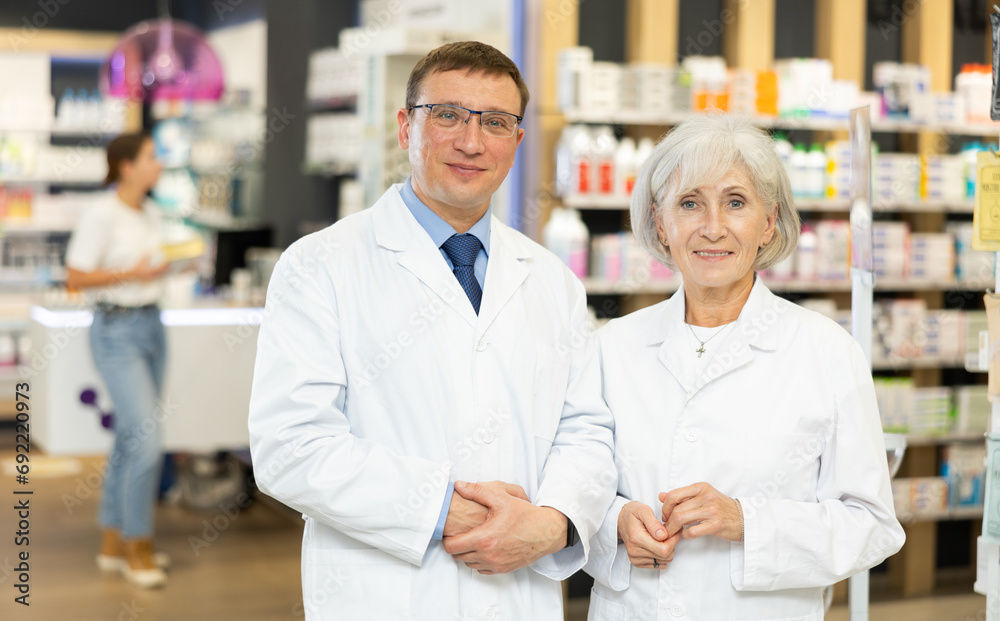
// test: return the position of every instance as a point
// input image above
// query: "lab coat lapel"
(506, 271)
(754, 330)
(667, 333)
(398, 231)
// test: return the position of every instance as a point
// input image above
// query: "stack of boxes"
(838, 169)
(970, 265)
(333, 75)
(944, 178)
(618, 257)
(890, 249)
(932, 257)
(833, 248)
(895, 178)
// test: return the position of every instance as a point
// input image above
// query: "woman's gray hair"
(700, 151)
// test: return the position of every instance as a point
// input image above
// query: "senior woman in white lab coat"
(752, 469)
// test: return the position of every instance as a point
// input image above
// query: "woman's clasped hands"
(688, 512)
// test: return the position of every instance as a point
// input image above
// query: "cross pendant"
(700, 350)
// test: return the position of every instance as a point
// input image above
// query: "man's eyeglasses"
(453, 118)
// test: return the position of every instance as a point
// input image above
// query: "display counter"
(206, 393)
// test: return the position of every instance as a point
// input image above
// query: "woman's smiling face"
(715, 230)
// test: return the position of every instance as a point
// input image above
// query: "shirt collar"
(436, 227)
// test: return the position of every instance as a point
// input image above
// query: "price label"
(986, 219)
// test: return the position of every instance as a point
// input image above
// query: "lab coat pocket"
(605, 610)
(342, 584)
(781, 465)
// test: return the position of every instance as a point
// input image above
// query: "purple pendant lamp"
(163, 59)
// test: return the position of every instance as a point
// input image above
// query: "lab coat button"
(490, 613)
(676, 611)
(488, 437)
(481, 346)
(691, 435)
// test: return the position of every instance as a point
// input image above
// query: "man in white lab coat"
(421, 345)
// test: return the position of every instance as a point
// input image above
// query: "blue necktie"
(463, 250)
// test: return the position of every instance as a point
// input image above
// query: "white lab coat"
(783, 418)
(376, 383)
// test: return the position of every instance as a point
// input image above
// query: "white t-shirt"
(714, 339)
(113, 236)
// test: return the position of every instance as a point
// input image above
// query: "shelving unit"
(652, 37)
(804, 124)
(666, 287)
(614, 202)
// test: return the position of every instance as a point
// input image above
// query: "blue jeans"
(129, 350)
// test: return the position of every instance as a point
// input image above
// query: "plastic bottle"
(626, 167)
(94, 108)
(65, 111)
(581, 163)
(564, 161)
(603, 151)
(806, 261)
(554, 234)
(784, 149)
(578, 243)
(970, 158)
(643, 152)
(798, 170)
(816, 184)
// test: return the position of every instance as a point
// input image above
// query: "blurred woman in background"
(115, 254)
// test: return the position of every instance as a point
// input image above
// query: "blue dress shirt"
(440, 231)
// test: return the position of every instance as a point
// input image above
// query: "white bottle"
(578, 243)
(626, 167)
(64, 111)
(806, 260)
(816, 178)
(554, 234)
(564, 161)
(799, 170)
(604, 150)
(643, 152)
(784, 149)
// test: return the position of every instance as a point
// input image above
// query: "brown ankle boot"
(112, 554)
(141, 569)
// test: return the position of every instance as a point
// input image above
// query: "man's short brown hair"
(474, 57)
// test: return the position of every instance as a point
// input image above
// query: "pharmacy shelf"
(923, 362)
(333, 104)
(329, 169)
(944, 439)
(597, 286)
(598, 201)
(34, 226)
(929, 206)
(626, 117)
(946, 515)
(85, 181)
(208, 219)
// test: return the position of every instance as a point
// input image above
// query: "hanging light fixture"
(163, 59)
